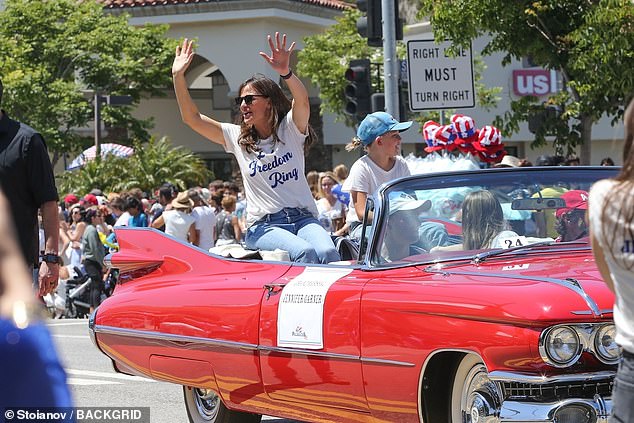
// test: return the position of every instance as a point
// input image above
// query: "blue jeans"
(294, 230)
(623, 391)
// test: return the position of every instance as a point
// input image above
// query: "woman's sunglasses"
(248, 99)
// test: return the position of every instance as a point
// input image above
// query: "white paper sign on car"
(300, 313)
(513, 241)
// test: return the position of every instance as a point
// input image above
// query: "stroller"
(72, 298)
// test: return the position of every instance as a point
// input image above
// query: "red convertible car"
(417, 323)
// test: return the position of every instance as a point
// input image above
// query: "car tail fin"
(132, 266)
(143, 250)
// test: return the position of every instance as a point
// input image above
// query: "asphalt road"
(94, 382)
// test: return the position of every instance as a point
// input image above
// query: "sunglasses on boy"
(248, 99)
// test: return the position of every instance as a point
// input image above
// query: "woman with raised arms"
(269, 141)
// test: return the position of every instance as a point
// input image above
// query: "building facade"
(230, 33)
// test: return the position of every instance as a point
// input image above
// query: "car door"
(312, 356)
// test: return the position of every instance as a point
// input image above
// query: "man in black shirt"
(26, 177)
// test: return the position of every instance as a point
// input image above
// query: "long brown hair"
(482, 220)
(280, 106)
(625, 187)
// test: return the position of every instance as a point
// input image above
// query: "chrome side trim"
(502, 376)
(366, 360)
(575, 287)
(386, 362)
(91, 327)
(174, 338)
(587, 312)
(284, 350)
(241, 345)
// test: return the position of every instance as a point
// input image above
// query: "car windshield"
(431, 218)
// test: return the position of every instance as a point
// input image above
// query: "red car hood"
(533, 289)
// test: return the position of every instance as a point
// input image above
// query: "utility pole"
(110, 100)
(97, 126)
(390, 63)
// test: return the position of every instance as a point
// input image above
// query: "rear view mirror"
(537, 203)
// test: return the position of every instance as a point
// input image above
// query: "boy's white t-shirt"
(366, 176)
(273, 178)
(205, 221)
(622, 250)
(123, 219)
(177, 223)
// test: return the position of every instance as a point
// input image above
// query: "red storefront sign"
(536, 82)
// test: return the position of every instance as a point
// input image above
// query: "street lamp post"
(99, 100)
(97, 126)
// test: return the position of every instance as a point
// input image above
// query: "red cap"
(575, 199)
(71, 199)
(91, 199)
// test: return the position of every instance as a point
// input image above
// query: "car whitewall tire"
(474, 398)
(205, 406)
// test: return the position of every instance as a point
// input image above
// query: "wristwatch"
(51, 258)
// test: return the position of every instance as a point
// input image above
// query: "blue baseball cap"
(377, 124)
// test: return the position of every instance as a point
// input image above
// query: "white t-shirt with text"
(273, 178)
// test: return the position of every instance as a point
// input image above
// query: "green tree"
(51, 51)
(325, 58)
(152, 164)
(588, 42)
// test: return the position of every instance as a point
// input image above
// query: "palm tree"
(152, 164)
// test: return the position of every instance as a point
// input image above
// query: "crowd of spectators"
(203, 216)
(191, 215)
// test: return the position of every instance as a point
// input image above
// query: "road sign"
(119, 100)
(438, 80)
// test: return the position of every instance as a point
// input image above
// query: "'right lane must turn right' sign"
(438, 80)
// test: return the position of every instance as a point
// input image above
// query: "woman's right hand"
(183, 57)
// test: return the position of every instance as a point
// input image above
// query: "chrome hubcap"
(207, 403)
(480, 400)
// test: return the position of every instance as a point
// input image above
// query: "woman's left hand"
(280, 55)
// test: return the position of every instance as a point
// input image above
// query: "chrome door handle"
(271, 289)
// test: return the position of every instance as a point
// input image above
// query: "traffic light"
(544, 119)
(359, 89)
(377, 100)
(370, 25)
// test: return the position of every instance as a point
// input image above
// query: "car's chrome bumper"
(591, 410)
(521, 398)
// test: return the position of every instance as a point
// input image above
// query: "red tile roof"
(112, 4)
